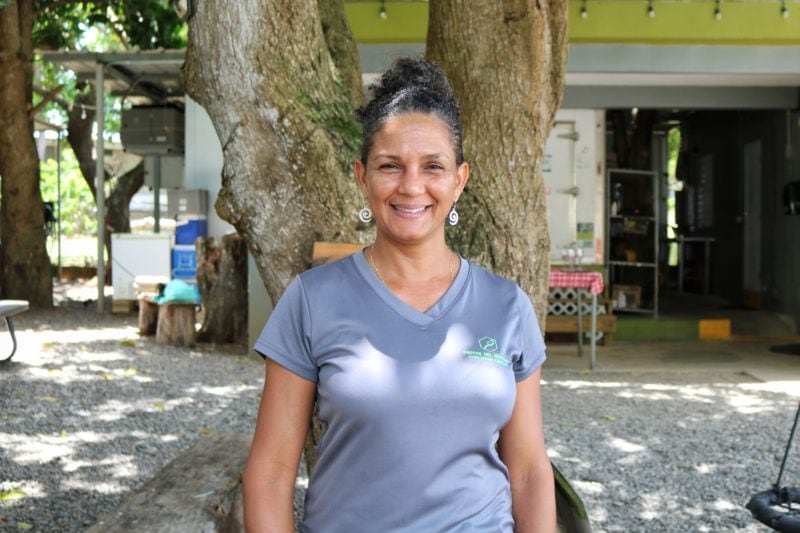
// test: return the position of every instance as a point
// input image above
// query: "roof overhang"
(151, 76)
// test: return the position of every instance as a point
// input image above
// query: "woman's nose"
(412, 182)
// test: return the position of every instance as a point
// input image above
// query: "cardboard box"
(626, 296)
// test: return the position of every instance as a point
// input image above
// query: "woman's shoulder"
(329, 275)
(491, 280)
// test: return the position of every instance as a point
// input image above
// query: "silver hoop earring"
(452, 217)
(365, 215)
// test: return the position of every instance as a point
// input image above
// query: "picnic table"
(9, 308)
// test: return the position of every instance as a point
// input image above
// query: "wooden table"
(580, 279)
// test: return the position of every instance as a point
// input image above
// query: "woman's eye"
(387, 166)
(435, 167)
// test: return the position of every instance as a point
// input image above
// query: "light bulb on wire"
(717, 11)
(584, 11)
(382, 13)
(651, 12)
(784, 10)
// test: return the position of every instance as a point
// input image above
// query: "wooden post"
(176, 324)
(148, 316)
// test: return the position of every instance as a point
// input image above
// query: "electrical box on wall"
(152, 130)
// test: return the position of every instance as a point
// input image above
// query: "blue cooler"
(189, 228)
(184, 261)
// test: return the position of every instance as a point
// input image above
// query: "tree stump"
(222, 280)
(148, 316)
(176, 324)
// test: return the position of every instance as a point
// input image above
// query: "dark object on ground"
(789, 349)
(774, 507)
(570, 512)
(9, 308)
(765, 505)
(198, 491)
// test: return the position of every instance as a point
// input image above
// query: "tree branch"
(46, 98)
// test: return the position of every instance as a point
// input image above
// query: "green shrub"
(78, 211)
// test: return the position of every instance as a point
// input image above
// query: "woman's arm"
(269, 474)
(523, 451)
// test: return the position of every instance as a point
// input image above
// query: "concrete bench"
(9, 308)
(199, 491)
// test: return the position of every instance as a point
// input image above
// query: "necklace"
(371, 261)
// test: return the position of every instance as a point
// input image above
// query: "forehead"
(414, 127)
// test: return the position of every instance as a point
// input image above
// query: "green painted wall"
(742, 22)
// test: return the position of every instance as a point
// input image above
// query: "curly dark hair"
(412, 84)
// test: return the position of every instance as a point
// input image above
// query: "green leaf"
(13, 494)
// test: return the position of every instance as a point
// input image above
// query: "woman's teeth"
(410, 210)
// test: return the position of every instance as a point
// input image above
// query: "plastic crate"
(184, 261)
(188, 230)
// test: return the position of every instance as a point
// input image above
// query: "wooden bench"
(9, 308)
(198, 491)
(569, 324)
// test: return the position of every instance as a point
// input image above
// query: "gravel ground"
(89, 411)
(668, 452)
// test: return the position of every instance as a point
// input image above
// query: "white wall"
(590, 172)
(204, 163)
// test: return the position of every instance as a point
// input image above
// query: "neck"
(413, 264)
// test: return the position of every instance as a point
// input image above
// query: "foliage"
(78, 211)
(143, 24)
(99, 26)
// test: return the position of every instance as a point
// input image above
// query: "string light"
(784, 10)
(651, 12)
(717, 11)
(382, 13)
(584, 12)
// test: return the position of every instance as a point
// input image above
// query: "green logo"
(488, 344)
(488, 347)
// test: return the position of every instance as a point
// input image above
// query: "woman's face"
(411, 178)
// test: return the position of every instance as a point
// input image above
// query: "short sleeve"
(286, 339)
(533, 348)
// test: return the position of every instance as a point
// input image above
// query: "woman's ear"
(361, 176)
(462, 176)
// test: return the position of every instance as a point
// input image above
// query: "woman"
(424, 365)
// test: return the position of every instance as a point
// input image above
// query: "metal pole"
(100, 186)
(58, 192)
(156, 193)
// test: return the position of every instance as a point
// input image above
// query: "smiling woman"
(424, 366)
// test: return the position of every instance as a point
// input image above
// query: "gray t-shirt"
(412, 402)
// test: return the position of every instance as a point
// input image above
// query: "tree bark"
(25, 270)
(283, 111)
(506, 61)
(222, 280)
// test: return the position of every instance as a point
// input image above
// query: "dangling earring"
(452, 217)
(365, 215)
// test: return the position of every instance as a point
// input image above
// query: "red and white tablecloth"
(577, 280)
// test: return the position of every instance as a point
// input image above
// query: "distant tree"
(24, 26)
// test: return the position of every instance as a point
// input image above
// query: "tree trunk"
(506, 61)
(222, 279)
(25, 270)
(283, 111)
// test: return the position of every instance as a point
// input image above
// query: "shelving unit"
(632, 240)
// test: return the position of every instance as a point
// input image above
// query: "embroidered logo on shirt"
(488, 347)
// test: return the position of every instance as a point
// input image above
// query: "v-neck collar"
(402, 308)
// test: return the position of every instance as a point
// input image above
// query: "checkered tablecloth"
(577, 280)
